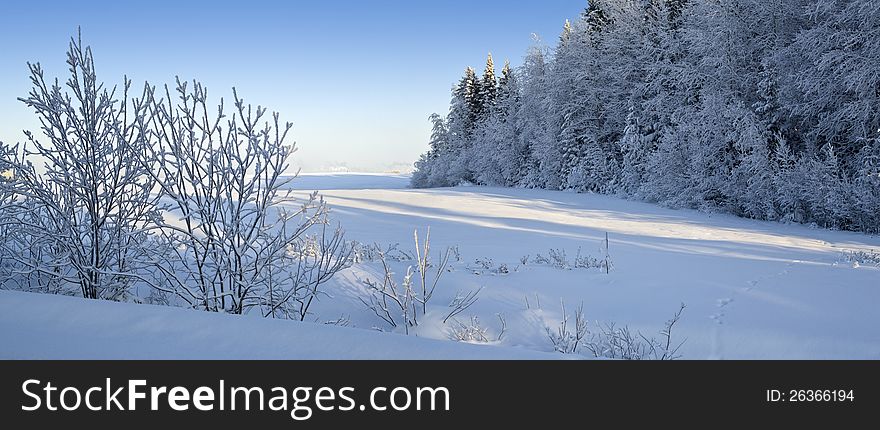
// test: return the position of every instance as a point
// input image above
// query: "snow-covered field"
(37, 326)
(753, 290)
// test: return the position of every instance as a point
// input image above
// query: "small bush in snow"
(373, 252)
(474, 332)
(400, 304)
(621, 343)
(393, 302)
(487, 265)
(456, 253)
(470, 331)
(481, 264)
(569, 335)
(608, 340)
(557, 258)
(862, 258)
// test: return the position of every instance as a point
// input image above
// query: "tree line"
(766, 109)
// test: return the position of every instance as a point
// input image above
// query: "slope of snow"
(753, 289)
(37, 326)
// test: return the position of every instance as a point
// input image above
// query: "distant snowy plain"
(753, 289)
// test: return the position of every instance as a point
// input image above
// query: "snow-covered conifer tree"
(488, 90)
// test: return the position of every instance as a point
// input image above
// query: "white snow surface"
(753, 289)
(349, 181)
(38, 326)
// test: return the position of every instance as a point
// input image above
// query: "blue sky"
(357, 78)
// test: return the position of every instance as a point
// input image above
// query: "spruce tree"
(868, 187)
(439, 136)
(470, 92)
(463, 108)
(565, 36)
(488, 90)
(508, 91)
(595, 17)
(675, 9)
(634, 154)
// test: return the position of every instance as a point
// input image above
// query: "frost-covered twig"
(423, 265)
(461, 303)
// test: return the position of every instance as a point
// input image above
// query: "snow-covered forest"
(763, 109)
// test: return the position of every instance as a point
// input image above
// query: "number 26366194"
(793, 396)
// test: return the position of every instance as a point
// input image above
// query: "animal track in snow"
(724, 302)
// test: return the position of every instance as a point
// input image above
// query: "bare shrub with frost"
(374, 252)
(82, 221)
(623, 344)
(238, 239)
(608, 340)
(862, 258)
(569, 335)
(400, 304)
(473, 331)
(558, 258)
(469, 331)
(482, 265)
(393, 302)
(485, 265)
